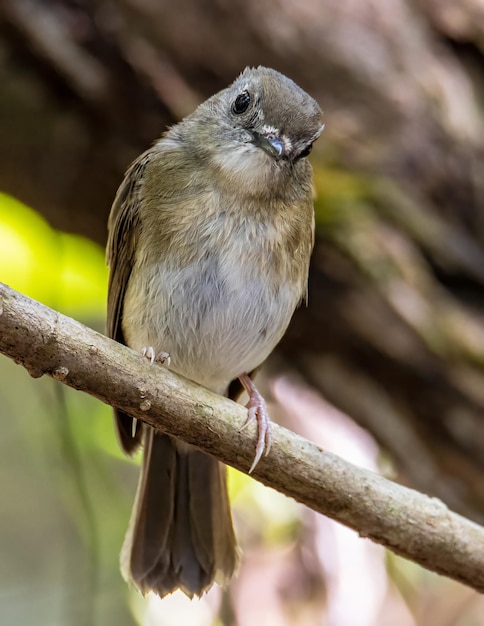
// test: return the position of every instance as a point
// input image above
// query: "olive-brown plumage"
(210, 237)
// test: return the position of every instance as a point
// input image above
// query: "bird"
(209, 242)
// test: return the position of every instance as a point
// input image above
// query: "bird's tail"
(180, 534)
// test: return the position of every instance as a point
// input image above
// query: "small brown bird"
(210, 236)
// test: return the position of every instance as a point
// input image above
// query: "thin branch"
(411, 524)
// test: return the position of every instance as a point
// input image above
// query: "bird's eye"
(306, 151)
(241, 103)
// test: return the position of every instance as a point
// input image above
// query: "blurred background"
(384, 367)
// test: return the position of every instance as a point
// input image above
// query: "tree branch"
(411, 524)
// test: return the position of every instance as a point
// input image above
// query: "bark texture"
(409, 523)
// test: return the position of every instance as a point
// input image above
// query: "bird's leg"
(257, 410)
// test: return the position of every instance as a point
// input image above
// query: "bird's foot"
(162, 358)
(257, 410)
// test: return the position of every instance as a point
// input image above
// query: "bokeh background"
(385, 365)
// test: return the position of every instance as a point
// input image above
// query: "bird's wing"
(124, 228)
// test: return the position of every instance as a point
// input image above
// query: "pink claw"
(257, 410)
(162, 358)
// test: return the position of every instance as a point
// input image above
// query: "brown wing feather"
(123, 225)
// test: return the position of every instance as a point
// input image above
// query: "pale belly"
(216, 321)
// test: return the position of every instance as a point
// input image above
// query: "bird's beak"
(270, 143)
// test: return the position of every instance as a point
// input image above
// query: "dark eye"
(241, 103)
(306, 151)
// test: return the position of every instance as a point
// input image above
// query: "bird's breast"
(221, 312)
